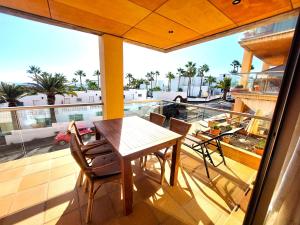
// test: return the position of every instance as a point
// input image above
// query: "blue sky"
(54, 49)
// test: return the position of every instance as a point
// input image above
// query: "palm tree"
(129, 76)
(34, 70)
(202, 69)
(190, 72)
(50, 85)
(10, 93)
(97, 74)
(146, 82)
(225, 85)
(180, 73)
(150, 78)
(170, 76)
(210, 80)
(81, 74)
(236, 65)
(156, 75)
(91, 85)
(74, 81)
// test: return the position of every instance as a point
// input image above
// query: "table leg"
(97, 135)
(175, 163)
(127, 186)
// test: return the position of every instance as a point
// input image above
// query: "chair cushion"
(96, 142)
(106, 165)
(98, 150)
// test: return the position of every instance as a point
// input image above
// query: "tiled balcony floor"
(42, 190)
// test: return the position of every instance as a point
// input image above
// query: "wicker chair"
(180, 127)
(89, 150)
(100, 170)
(159, 120)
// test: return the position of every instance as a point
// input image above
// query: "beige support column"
(246, 67)
(265, 66)
(111, 64)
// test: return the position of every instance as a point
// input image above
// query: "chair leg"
(163, 169)
(89, 211)
(80, 178)
(141, 162)
(86, 185)
(145, 161)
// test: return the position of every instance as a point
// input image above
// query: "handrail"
(222, 110)
(142, 101)
(8, 109)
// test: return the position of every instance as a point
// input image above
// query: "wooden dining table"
(132, 138)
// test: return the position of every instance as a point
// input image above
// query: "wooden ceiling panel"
(160, 26)
(198, 15)
(149, 4)
(85, 19)
(296, 3)
(141, 36)
(248, 11)
(38, 7)
(122, 11)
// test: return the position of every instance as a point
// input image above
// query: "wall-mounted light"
(235, 2)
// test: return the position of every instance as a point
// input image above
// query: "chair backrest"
(72, 128)
(179, 126)
(158, 119)
(77, 153)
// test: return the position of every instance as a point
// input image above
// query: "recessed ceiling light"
(235, 2)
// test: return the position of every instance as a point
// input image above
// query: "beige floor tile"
(162, 201)
(61, 186)
(60, 161)
(71, 218)
(60, 205)
(63, 171)
(60, 153)
(203, 212)
(12, 173)
(34, 179)
(142, 214)
(39, 158)
(117, 200)
(36, 167)
(5, 204)
(9, 187)
(102, 211)
(30, 216)
(160, 215)
(83, 196)
(14, 164)
(173, 221)
(30, 197)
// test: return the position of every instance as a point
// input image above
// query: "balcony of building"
(38, 179)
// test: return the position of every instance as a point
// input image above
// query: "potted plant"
(228, 128)
(197, 132)
(215, 130)
(226, 139)
(259, 148)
